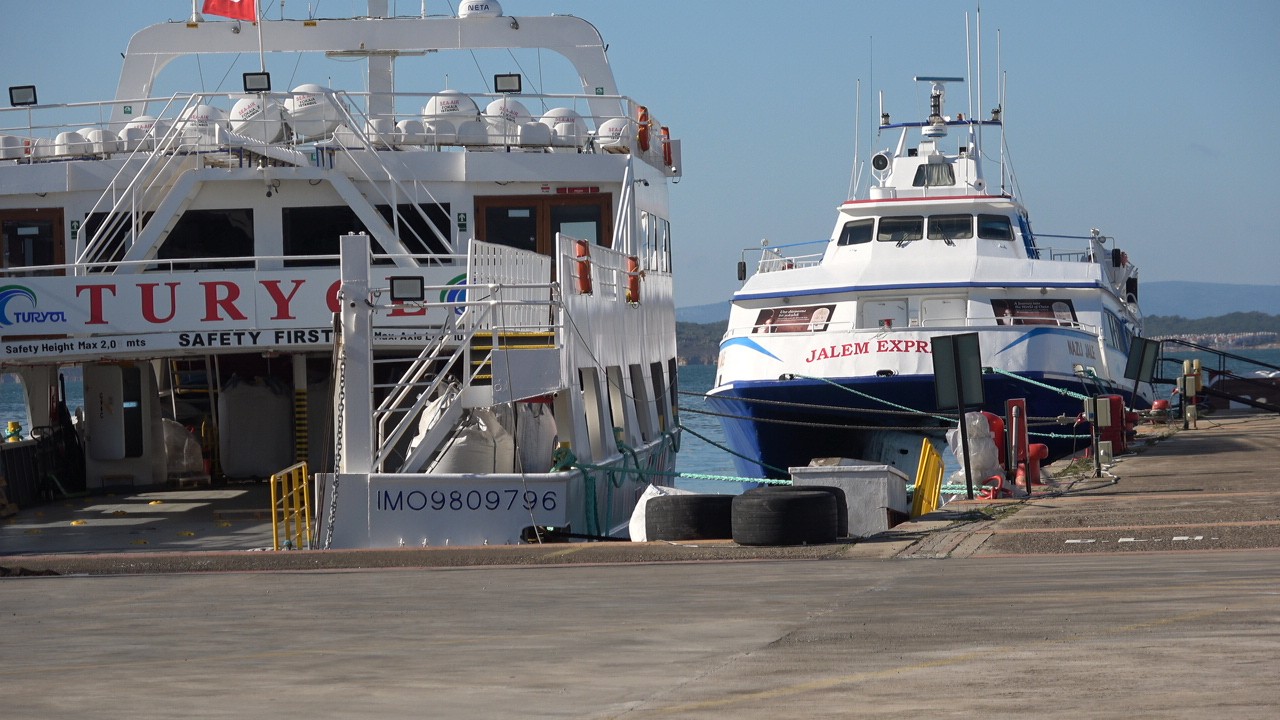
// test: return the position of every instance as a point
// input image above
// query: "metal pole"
(964, 428)
(1093, 439)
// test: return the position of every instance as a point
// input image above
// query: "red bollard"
(1036, 452)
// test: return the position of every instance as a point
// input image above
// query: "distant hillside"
(1194, 300)
(1240, 322)
(1191, 300)
(699, 344)
(712, 313)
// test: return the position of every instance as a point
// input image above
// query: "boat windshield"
(994, 227)
(950, 227)
(901, 229)
(856, 232)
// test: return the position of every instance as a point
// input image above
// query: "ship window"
(111, 234)
(310, 232)
(994, 227)
(313, 232)
(31, 237)
(1115, 331)
(950, 227)
(222, 233)
(856, 232)
(415, 231)
(901, 229)
(934, 175)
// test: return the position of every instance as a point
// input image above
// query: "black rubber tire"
(689, 517)
(798, 517)
(842, 504)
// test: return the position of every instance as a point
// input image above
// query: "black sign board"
(957, 371)
(1142, 359)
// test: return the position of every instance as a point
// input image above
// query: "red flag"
(237, 9)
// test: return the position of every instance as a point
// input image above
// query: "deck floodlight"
(257, 82)
(506, 83)
(407, 289)
(20, 95)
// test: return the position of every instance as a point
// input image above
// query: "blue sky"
(1153, 121)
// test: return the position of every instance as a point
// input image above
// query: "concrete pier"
(1153, 593)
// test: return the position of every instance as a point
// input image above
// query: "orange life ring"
(633, 279)
(642, 127)
(666, 146)
(582, 260)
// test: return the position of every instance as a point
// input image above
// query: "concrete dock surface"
(1151, 592)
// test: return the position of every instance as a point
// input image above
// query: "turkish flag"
(237, 9)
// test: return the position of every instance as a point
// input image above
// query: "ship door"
(530, 222)
(31, 237)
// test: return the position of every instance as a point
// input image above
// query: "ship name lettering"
(1081, 350)
(902, 346)
(838, 351)
(222, 300)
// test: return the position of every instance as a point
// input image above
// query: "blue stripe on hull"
(754, 430)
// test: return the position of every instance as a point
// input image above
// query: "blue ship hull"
(786, 423)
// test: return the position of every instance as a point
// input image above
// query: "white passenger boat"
(506, 319)
(828, 347)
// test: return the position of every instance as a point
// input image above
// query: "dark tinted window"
(950, 227)
(316, 230)
(856, 232)
(994, 227)
(210, 234)
(901, 229)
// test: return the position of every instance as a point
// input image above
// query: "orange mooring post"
(1036, 453)
(582, 266)
(633, 279)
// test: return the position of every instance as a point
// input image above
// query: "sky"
(1152, 121)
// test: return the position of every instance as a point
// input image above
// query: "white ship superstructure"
(184, 252)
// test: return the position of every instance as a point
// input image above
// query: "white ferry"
(504, 312)
(828, 346)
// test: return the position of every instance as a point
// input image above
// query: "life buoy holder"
(582, 270)
(666, 147)
(633, 279)
(642, 127)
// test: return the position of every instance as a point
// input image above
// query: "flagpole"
(262, 55)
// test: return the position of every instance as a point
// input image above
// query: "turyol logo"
(456, 292)
(9, 292)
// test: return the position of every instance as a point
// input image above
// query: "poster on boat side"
(807, 318)
(1034, 311)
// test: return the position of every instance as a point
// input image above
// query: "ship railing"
(256, 263)
(845, 328)
(603, 273)
(780, 257)
(571, 123)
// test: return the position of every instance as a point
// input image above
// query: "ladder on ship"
(193, 382)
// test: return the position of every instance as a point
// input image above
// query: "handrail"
(1221, 372)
